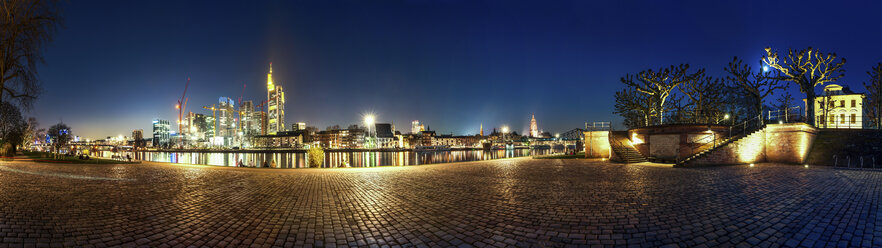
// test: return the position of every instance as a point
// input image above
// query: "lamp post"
(369, 121)
(504, 131)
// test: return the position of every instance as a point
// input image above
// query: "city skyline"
(452, 65)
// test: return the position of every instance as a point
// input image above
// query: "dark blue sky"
(451, 64)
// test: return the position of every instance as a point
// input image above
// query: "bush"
(6, 150)
(316, 156)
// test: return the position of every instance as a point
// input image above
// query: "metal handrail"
(599, 125)
(734, 131)
(789, 115)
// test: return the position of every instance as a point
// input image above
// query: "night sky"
(116, 65)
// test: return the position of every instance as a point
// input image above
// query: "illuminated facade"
(161, 135)
(298, 126)
(249, 122)
(260, 118)
(226, 126)
(275, 105)
(416, 127)
(839, 107)
(534, 128)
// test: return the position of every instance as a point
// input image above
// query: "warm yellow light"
(751, 165)
(177, 106)
(806, 166)
(369, 119)
(635, 139)
(726, 117)
(505, 129)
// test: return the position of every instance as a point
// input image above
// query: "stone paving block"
(502, 203)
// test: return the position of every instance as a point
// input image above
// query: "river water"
(335, 159)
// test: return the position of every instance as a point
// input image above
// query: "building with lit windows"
(226, 115)
(247, 124)
(298, 126)
(416, 127)
(161, 135)
(275, 105)
(385, 136)
(260, 118)
(839, 107)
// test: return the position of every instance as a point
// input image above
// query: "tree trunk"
(810, 107)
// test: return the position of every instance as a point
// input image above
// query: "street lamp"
(504, 131)
(369, 121)
(725, 117)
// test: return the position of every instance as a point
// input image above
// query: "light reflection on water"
(298, 159)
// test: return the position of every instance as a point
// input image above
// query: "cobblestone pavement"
(514, 202)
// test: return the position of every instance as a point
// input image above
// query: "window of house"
(842, 103)
(853, 103)
(853, 116)
(842, 120)
(832, 119)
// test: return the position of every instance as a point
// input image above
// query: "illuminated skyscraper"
(534, 128)
(275, 105)
(226, 117)
(161, 135)
(248, 125)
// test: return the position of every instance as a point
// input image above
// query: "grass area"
(48, 157)
(563, 156)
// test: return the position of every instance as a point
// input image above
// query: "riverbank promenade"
(519, 202)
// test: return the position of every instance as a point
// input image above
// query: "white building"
(839, 107)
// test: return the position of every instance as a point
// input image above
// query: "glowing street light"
(368, 122)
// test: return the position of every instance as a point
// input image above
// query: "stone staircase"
(718, 145)
(621, 145)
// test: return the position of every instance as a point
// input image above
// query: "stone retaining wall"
(782, 143)
(597, 144)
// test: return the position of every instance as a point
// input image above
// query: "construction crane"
(182, 106)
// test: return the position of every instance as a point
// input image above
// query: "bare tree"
(636, 108)
(757, 86)
(12, 126)
(26, 26)
(678, 109)
(705, 97)
(786, 101)
(661, 83)
(807, 68)
(874, 96)
(31, 132)
(60, 135)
